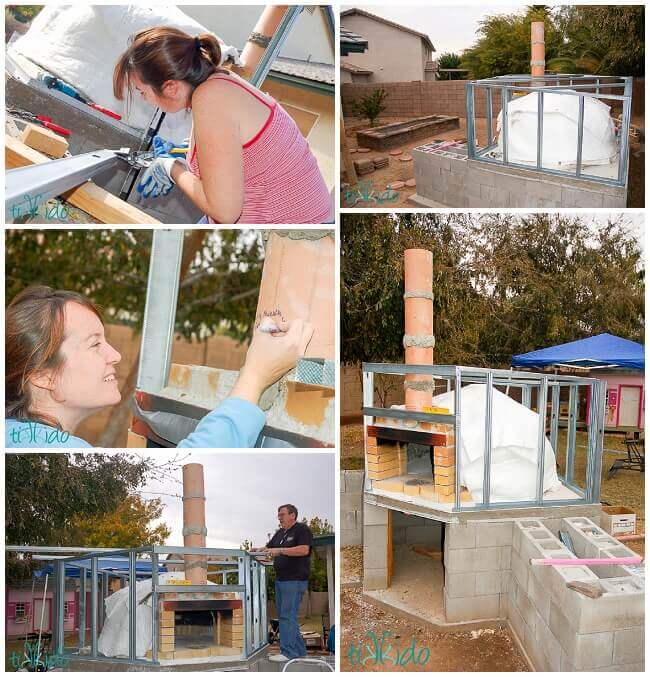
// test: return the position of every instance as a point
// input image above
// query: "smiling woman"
(61, 369)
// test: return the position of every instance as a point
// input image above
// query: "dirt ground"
(378, 180)
(418, 646)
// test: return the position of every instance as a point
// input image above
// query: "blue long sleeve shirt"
(234, 424)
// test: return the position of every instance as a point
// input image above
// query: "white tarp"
(114, 637)
(81, 45)
(515, 431)
(560, 135)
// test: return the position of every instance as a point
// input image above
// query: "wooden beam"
(44, 140)
(104, 206)
(348, 163)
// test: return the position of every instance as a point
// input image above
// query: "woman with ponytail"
(247, 161)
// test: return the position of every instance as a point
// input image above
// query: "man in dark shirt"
(290, 549)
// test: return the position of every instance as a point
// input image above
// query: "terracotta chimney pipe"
(538, 49)
(418, 323)
(194, 531)
(264, 30)
(298, 282)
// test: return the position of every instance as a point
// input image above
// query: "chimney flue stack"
(194, 530)
(538, 49)
(418, 324)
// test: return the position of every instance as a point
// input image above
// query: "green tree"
(47, 494)
(502, 284)
(450, 60)
(130, 525)
(220, 277)
(370, 107)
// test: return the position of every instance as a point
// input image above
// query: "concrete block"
(519, 570)
(539, 598)
(351, 502)
(428, 534)
(460, 536)
(566, 665)
(349, 520)
(483, 559)
(353, 481)
(488, 583)
(615, 201)
(575, 197)
(609, 612)
(503, 605)
(374, 515)
(489, 534)
(505, 557)
(375, 543)
(549, 644)
(459, 609)
(375, 579)
(495, 196)
(546, 190)
(629, 645)
(460, 584)
(526, 608)
(349, 537)
(563, 629)
(594, 650)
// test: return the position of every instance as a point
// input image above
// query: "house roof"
(362, 12)
(595, 351)
(307, 70)
(351, 68)
(351, 42)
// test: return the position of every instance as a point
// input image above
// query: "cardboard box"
(618, 520)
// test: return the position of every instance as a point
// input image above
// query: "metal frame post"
(160, 309)
(489, 114)
(368, 401)
(82, 607)
(59, 607)
(275, 45)
(504, 122)
(624, 146)
(154, 607)
(581, 133)
(600, 434)
(247, 602)
(555, 415)
(487, 457)
(471, 134)
(133, 600)
(541, 441)
(457, 388)
(540, 128)
(263, 605)
(93, 606)
(256, 604)
(572, 422)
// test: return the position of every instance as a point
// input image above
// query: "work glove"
(164, 148)
(156, 180)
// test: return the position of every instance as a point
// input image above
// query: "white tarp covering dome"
(81, 44)
(560, 136)
(515, 431)
(114, 637)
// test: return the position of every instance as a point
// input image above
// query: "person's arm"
(293, 551)
(219, 192)
(238, 421)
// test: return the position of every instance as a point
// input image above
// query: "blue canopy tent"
(114, 565)
(603, 350)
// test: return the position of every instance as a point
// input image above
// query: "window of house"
(21, 612)
(68, 609)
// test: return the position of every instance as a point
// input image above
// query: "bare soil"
(482, 650)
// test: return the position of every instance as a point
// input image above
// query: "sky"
(243, 491)
(451, 28)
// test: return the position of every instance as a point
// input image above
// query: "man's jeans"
(287, 601)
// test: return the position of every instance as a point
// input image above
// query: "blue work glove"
(157, 179)
(164, 148)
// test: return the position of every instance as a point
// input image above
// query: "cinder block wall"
(411, 530)
(459, 182)
(351, 527)
(415, 99)
(375, 547)
(561, 629)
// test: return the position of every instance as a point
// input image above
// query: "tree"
(130, 525)
(220, 277)
(449, 60)
(502, 284)
(371, 106)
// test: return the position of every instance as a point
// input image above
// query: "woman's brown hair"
(34, 332)
(165, 53)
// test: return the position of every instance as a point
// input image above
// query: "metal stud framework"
(527, 382)
(608, 88)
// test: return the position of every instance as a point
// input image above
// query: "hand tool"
(44, 120)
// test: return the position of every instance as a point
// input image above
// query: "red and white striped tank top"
(282, 182)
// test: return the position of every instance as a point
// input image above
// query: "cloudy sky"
(452, 28)
(243, 491)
